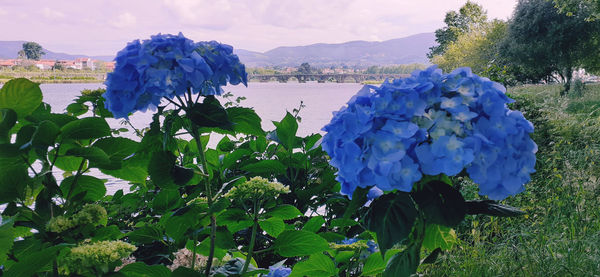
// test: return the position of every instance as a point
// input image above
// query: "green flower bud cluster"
(93, 257)
(257, 188)
(90, 214)
(358, 245)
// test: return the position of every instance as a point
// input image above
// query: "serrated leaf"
(95, 155)
(245, 121)
(146, 234)
(490, 207)
(21, 95)
(441, 203)
(86, 128)
(286, 131)
(405, 263)
(32, 262)
(317, 265)
(273, 226)
(391, 217)
(141, 269)
(291, 243)
(266, 166)
(91, 187)
(234, 219)
(314, 224)
(438, 236)
(165, 200)
(7, 238)
(284, 212)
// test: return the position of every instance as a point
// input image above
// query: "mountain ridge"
(406, 50)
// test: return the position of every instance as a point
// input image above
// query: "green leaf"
(291, 243)
(146, 234)
(375, 263)
(21, 95)
(117, 148)
(95, 155)
(439, 236)
(166, 199)
(266, 166)
(317, 265)
(245, 121)
(91, 187)
(284, 212)
(33, 262)
(391, 217)
(209, 113)
(86, 128)
(141, 269)
(14, 178)
(286, 131)
(273, 226)
(405, 263)
(342, 222)
(185, 272)
(234, 219)
(344, 256)
(45, 134)
(8, 118)
(359, 198)
(160, 168)
(314, 224)
(177, 225)
(441, 203)
(491, 207)
(77, 109)
(430, 259)
(111, 232)
(66, 163)
(332, 237)
(7, 238)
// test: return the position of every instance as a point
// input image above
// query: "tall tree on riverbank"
(469, 16)
(32, 51)
(574, 7)
(542, 43)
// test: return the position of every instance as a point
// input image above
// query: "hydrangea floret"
(257, 188)
(90, 214)
(88, 258)
(169, 66)
(431, 123)
(279, 271)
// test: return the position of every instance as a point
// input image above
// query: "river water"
(270, 101)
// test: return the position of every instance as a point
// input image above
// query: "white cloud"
(52, 14)
(124, 20)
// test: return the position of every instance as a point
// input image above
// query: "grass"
(560, 233)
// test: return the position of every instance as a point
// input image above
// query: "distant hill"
(10, 50)
(405, 50)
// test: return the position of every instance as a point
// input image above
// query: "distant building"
(8, 63)
(45, 64)
(110, 66)
(84, 63)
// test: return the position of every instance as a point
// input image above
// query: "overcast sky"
(104, 27)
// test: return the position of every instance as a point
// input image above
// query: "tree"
(477, 49)
(573, 7)
(32, 51)
(304, 68)
(541, 43)
(470, 15)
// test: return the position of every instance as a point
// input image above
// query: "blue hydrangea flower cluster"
(279, 271)
(167, 66)
(431, 123)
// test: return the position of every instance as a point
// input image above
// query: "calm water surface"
(270, 100)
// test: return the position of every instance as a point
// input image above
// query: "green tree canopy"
(477, 49)
(305, 68)
(541, 43)
(32, 51)
(574, 7)
(470, 15)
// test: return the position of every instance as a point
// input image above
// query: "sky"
(103, 27)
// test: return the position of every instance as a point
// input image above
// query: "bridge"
(322, 78)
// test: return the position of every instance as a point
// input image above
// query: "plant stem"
(252, 240)
(194, 251)
(213, 220)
